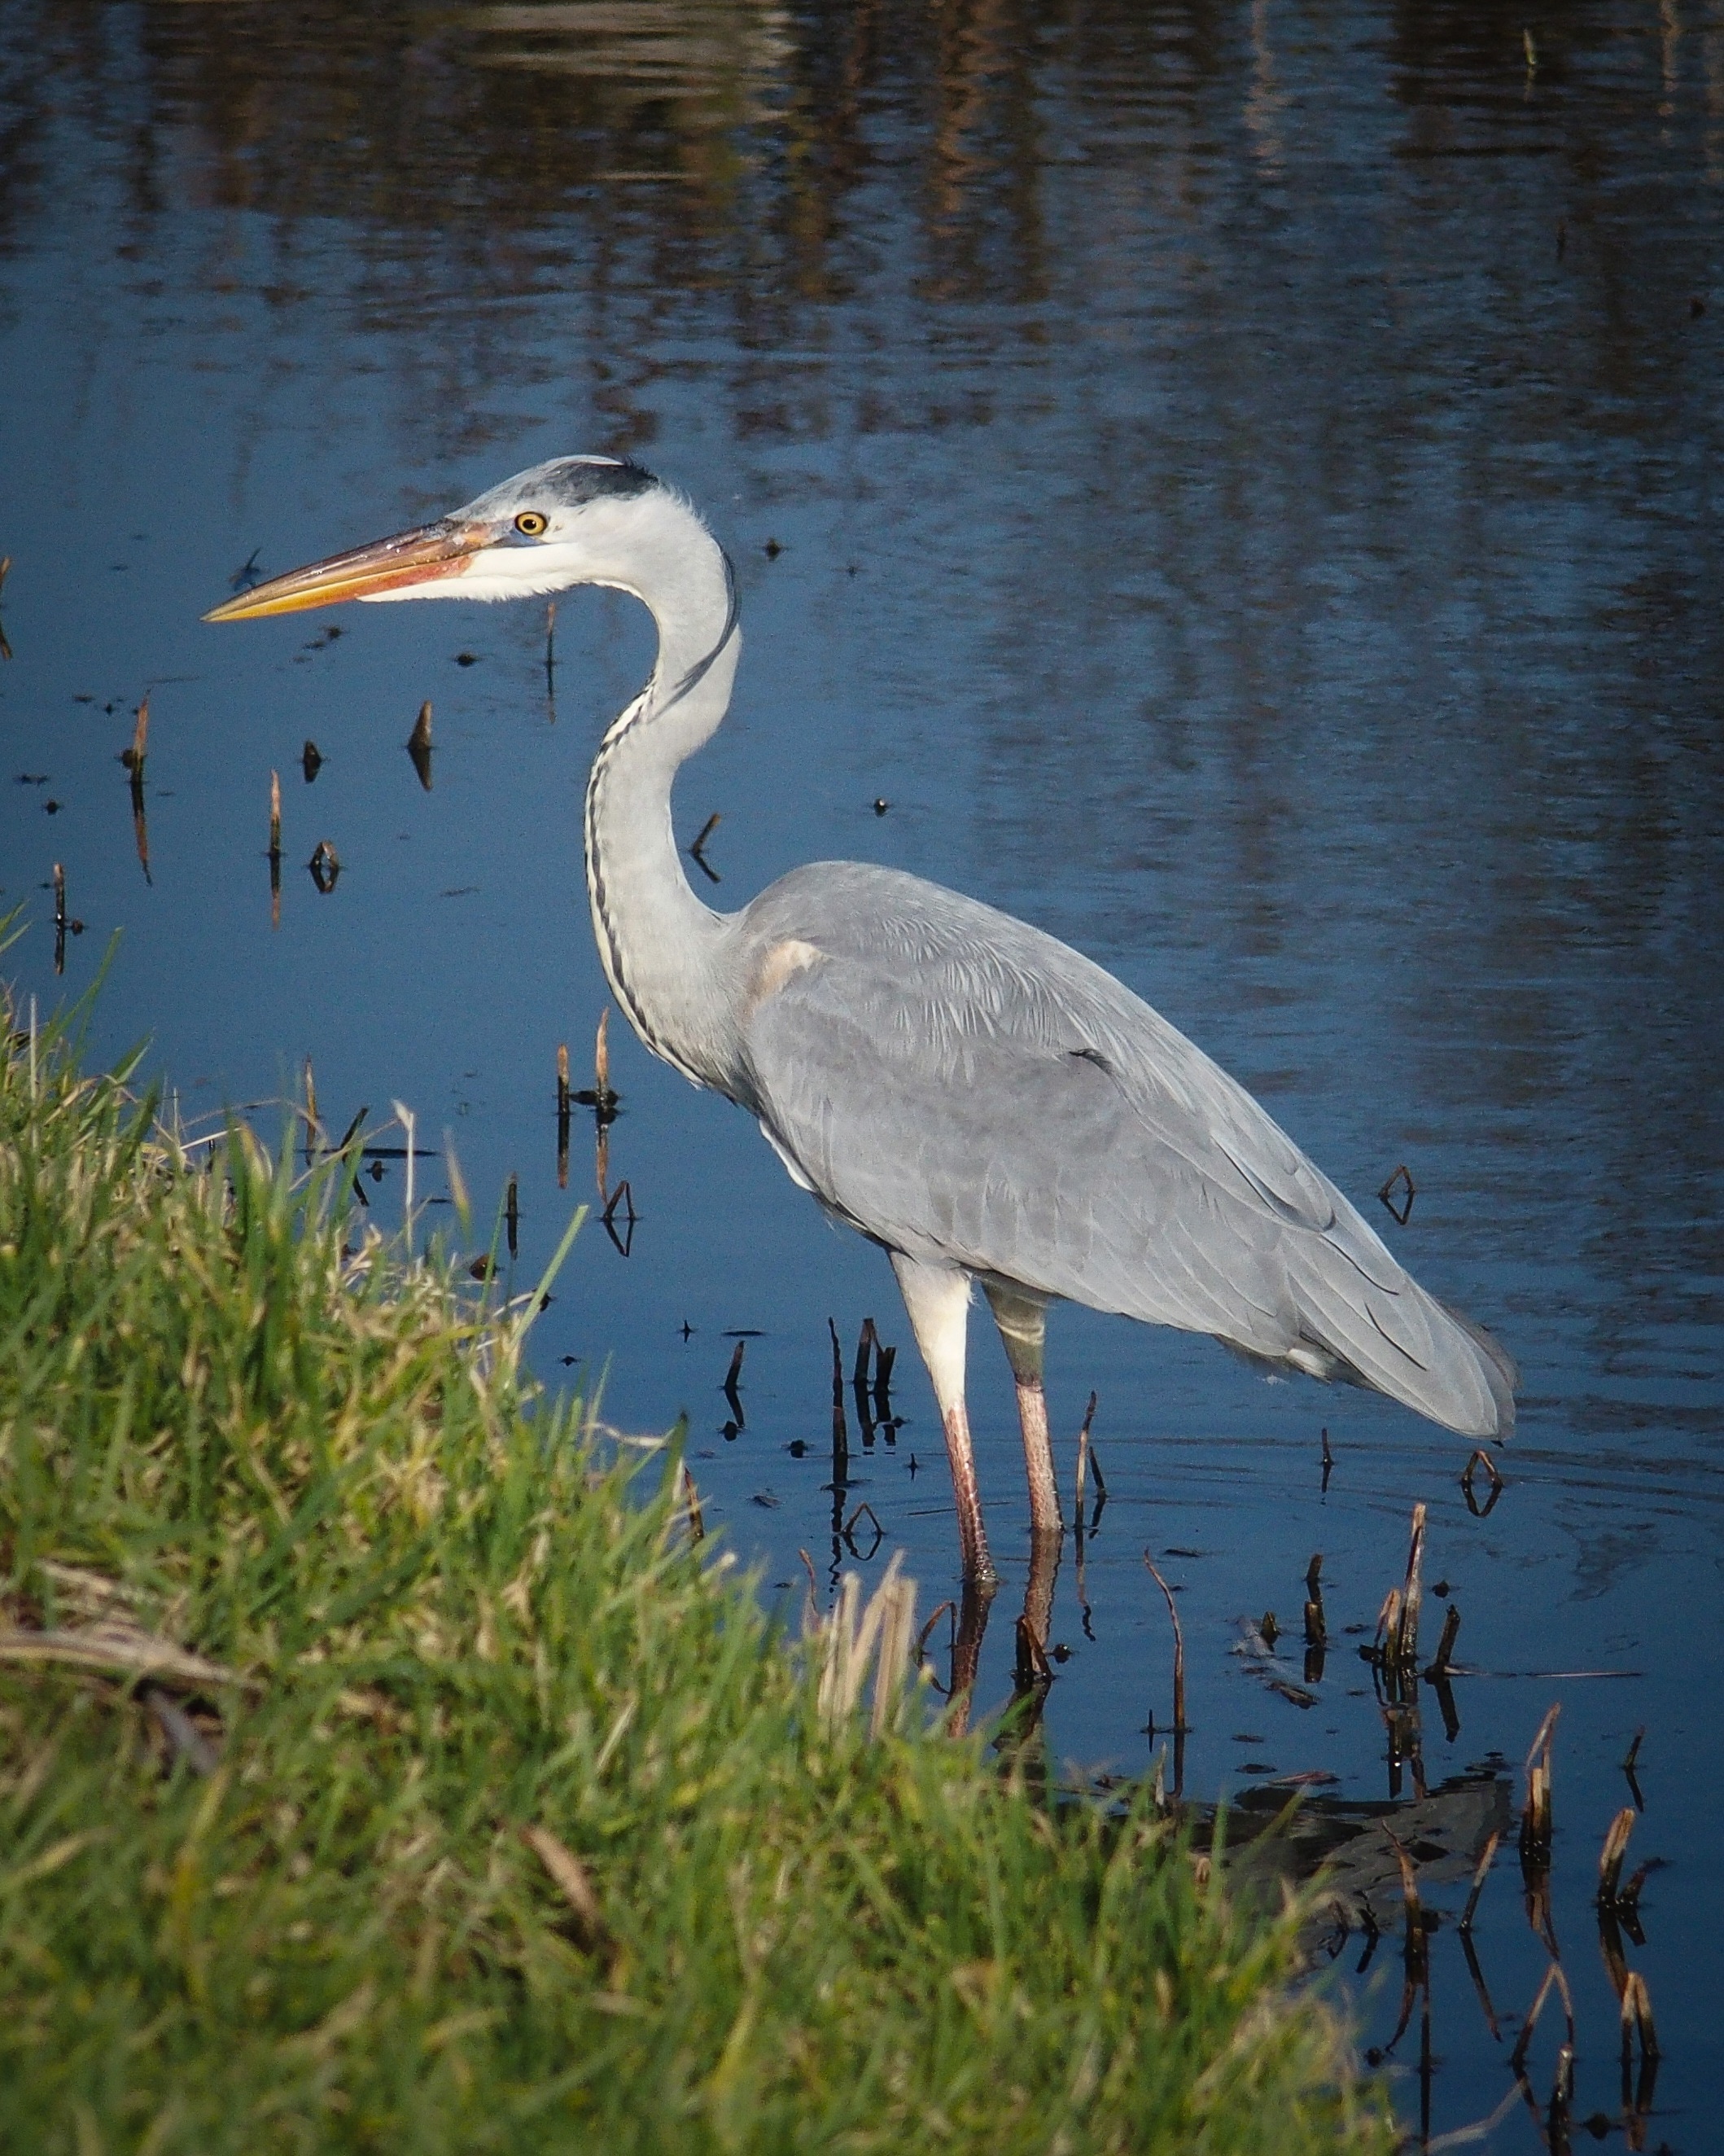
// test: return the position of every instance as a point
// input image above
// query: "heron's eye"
(530, 524)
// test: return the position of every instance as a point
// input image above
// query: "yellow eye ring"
(530, 524)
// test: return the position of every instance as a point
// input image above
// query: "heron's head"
(574, 520)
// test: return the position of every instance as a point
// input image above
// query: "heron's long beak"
(417, 557)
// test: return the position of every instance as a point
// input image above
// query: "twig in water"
(419, 745)
(1328, 1460)
(1178, 1649)
(865, 1345)
(60, 918)
(624, 1197)
(1482, 1459)
(325, 867)
(697, 851)
(133, 757)
(1400, 1213)
(1032, 1668)
(1479, 1878)
(276, 850)
(946, 1608)
(600, 1098)
(1553, 1978)
(849, 1533)
(1628, 1769)
(563, 1116)
(511, 1216)
(1083, 1459)
(732, 1377)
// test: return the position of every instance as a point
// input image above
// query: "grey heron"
(985, 1103)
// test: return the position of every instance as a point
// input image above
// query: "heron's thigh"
(1022, 1322)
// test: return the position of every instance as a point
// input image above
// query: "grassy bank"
(381, 1769)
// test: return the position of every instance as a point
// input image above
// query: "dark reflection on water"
(1239, 483)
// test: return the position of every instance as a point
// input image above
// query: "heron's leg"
(937, 1298)
(1038, 1590)
(1023, 1320)
(973, 1608)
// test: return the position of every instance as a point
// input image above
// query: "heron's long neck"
(657, 941)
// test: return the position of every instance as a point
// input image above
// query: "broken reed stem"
(420, 738)
(562, 1078)
(1404, 1642)
(1317, 1633)
(134, 760)
(1409, 1887)
(1637, 2016)
(602, 1059)
(691, 1498)
(1610, 1857)
(736, 1369)
(1445, 1646)
(866, 1342)
(1536, 1820)
(1479, 1878)
(1178, 1647)
(275, 816)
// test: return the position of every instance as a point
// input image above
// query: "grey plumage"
(984, 1101)
(960, 1086)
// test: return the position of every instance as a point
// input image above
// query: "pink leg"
(937, 1297)
(1022, 1322)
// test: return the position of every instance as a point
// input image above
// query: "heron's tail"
(1399, 1340)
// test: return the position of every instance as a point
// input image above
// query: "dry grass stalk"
(697, 1519)
(572, 1881)
(858, 1636)
(114, 1648)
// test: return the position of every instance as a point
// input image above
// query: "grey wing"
(962, 1086)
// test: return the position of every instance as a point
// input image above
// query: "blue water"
(1240, 484)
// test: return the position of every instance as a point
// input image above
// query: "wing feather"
(960, 1086)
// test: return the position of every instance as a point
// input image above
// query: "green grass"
(446, 1615)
